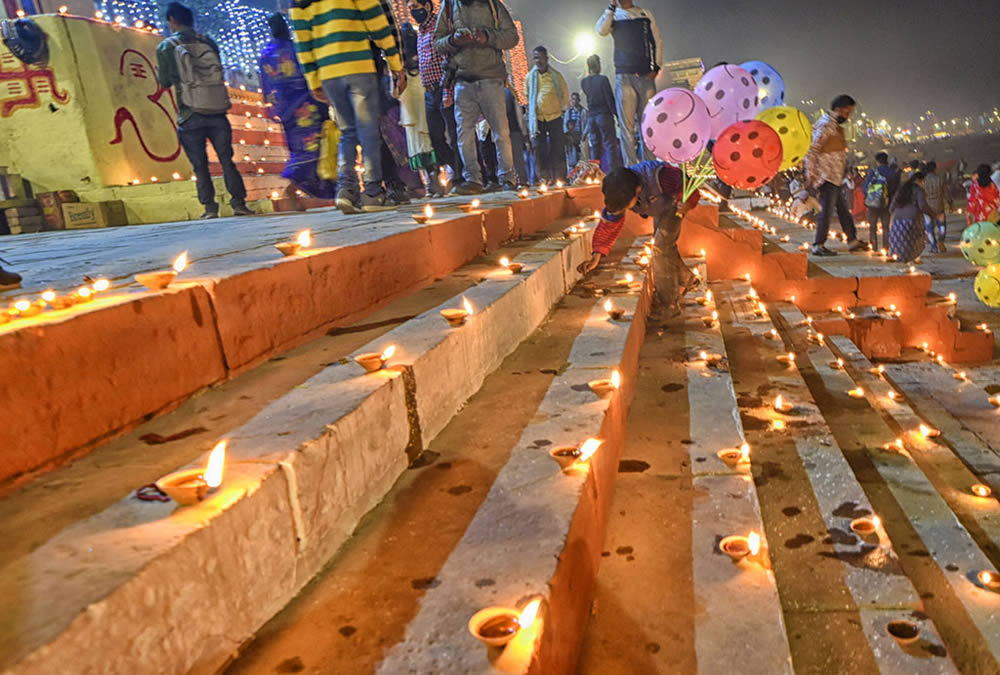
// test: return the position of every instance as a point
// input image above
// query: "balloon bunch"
(733, 126)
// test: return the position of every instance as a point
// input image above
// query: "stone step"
(148, 351)
(958, 554)
(539, 533)
(854, 585)
(739, 617)
(143, 583)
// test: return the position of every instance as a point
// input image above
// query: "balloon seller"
(653, 190)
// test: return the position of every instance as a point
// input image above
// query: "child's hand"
(589, 266)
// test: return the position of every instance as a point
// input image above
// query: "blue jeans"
(936, 229)
(486, 98)
(357, 100)
(603, 142)
(437, 126)
(633, 93)
(194, 133)
(831, 198)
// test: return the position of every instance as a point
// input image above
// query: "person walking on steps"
(474, 34)
(638, 58)
(653, 190)
(190, 62)
(548, 97)
(332, 40)
(936, 194)
(880, 188)
(826, 165)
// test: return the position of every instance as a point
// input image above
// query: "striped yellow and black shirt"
(333, 37)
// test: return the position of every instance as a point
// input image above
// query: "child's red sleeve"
(607, 232)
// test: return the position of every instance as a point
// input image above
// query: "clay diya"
(470, 207)
(613, 312)
(496, 626)
(427, 214)
(738, 547)
(457, 317)
(709, 321)
(989, 580)
(514, 267)
(606, 387)
(735, 456)
(157, 281)
(573, 454)
(902, 631)
(373, 362)
(865, 526)
(981, 490)
(290, 248)
(193, 485)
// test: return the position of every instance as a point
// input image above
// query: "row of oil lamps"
(740, 547)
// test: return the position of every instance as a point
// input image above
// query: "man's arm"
(166, 71)
(443, 31)
(604, 24)
(381, 30)
(657, 41)
(564, 96)
(302, 25)
(505, 36)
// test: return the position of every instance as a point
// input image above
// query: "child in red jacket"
(653, 190)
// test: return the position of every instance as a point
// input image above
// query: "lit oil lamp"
(457, 317)
(709, 321)
(99, 286)
(838, 364)
(471, 206)
(981, 490)
(157, 281)
(866, 526)
(952, 298)
(24, 309)
(496, 626)
(788, 358)
(423, 218)
(783, 406)
(857, 392)
(785, 239)
(877, 370)
(627, 281)
(778, 425)
(191, 486)
(771, 334)
(543, 188)
(929, 432)
(643, 261)
(514, 267)
(711, 360)
(596, 215)
(738, 547)
(523, 194)
(705, 299)
(895, 446)
(961, 376)
(703, 254)
(983, 327)
(290, 248)
(990, 580)
(570, 231)
(576, 455)
(373, 362)
(82, 295)
(559, 185)
(994, 401)
(892, 395)
(614, 313)
(734, 456)
(607, 386)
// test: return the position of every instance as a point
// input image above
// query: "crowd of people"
(428, 100)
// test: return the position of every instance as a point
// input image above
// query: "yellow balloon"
(795, 131)
(988, 286)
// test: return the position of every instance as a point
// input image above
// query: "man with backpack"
(190, 62)
(880, 187)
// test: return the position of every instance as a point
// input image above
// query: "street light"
(585, 44)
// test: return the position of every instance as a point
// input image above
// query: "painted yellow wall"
(94, 116)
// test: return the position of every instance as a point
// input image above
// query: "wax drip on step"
(293, 502)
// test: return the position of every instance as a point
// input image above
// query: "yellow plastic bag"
(328, 144)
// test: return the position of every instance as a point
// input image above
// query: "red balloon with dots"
(747, 155)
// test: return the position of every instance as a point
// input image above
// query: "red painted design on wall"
(22, 86)
(139, 70)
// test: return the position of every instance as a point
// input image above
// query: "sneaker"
(9, 280)
(243, 211)
(822, 251)
(380, 202)
(347, 202)
(468, 188)
(209, 215)
(857, 245)
(508, 187)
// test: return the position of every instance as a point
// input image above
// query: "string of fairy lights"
(240, 30)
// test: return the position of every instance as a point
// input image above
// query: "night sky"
(897, 58)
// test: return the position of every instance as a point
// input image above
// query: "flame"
(49, 296)
(777, 425)
(745, 452)
(83, 292)
(102, 285)
(628, 277)
(467, 305)
(181, 262)
(892, 396)
(429, 211)
(791, 356)
(543, 188)
(588, 448)
(753, 541)
(528, 615)
(877, 522)
(22, 305)
(607, 305)
(476, 203)
(305, 239)
(216, 461)
(644, 260)
(505, 261)
(708, 296)
(986, 577)
(856, 393)
(523, 193)
(616, 379)
(981, 490)
(176, 176)
(952, 297)
(840, 363)
(559, 183)
(753, 293)
(926, 431)
(840, 309)
(703, 356)
(779, 402)
(389, 351)
(597, 214)
(715, 316)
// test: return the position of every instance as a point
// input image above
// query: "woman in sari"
(301, 115)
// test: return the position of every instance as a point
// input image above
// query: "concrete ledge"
(539, 532)
(145, 352)
(144, 583)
